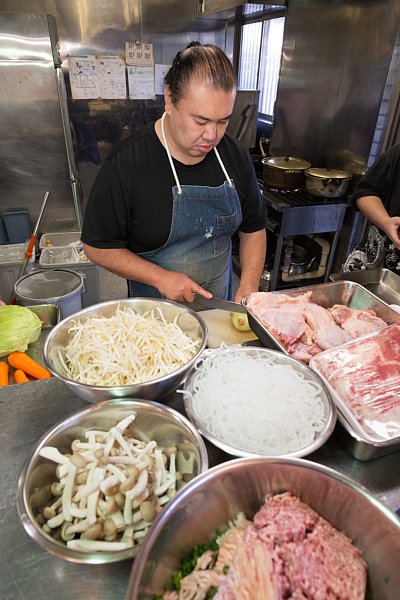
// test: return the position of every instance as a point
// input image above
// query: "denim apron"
(204, 220)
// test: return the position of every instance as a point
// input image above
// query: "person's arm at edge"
(121, 261)
(252, 251)
(372, 207)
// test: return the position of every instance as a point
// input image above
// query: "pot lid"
(328, 173)
(287, 163)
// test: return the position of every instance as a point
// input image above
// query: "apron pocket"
(226, 227)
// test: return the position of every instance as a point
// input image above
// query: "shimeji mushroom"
(110, 488)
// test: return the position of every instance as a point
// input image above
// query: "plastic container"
(18, 226)
(68, 256)
(60, 238)
(56, 286)
(11, 259)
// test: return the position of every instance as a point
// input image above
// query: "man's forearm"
(125, 263)
(252, 250)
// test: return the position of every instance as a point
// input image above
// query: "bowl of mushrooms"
(96, 481)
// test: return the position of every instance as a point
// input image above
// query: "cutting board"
(220, 329)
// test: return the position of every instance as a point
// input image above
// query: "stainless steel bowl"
(154, 420)
(188, 320)
(214, 498)
(281, 359)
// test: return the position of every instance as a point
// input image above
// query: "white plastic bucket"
(51, 286)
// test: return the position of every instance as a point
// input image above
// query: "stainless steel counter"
(26, 571)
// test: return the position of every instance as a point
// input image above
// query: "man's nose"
(210, 132)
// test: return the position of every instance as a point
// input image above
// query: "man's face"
(198, 121)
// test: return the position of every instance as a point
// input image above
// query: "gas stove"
(293, 213)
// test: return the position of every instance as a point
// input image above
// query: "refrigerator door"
(35, 139)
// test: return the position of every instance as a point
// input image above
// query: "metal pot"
(284, 172)
(300, 261)
(329, 183)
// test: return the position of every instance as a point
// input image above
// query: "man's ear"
(167, 99)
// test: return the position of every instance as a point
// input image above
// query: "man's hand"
(180, 287)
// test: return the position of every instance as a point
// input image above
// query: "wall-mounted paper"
(111, 74)
(160, 72)
(141, 83)
(139, 54)
(83, 77)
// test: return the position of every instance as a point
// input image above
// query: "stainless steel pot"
(284, 172)
(329, 183)
(300, 261)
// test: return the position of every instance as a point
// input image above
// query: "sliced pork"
(366, 376)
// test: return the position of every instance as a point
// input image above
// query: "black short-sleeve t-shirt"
(130, 203)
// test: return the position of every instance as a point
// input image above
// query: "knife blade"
(209, 303)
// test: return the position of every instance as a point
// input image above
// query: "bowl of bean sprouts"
(96, 481)
(253, 402)
(134, 347)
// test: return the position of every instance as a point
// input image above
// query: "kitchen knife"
(209, 303)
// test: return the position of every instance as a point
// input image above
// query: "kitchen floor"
(113, 287)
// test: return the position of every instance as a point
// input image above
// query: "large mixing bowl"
(154, 422)
(209, 502)
(189, 321)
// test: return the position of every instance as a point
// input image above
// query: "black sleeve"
(382, 179)
(106, 222)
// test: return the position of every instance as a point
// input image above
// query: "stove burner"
(285, 190)
(298, 197)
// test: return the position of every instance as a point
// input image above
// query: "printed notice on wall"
(160, 72)
(83, 77)
(111, 75)
(141, 83)
(139, 54)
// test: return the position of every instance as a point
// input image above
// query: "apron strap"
(171, 162)
(229, 180)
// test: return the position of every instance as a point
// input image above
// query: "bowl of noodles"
(253, 402)
(134, 347)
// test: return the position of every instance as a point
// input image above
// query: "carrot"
(3, 373)
(20, 376)
(20, 360)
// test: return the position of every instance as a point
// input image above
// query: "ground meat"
(311, 559)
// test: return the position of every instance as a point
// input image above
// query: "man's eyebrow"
(201, 118)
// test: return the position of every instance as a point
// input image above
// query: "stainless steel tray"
(348, 293)
(360, 448)
(383, 283)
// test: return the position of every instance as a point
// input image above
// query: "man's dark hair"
(206, 62)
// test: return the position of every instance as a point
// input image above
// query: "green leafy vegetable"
(189, 563)
(19, 327)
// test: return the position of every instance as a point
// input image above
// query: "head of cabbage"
(19, 327)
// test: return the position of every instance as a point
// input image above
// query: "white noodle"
(256, 405)
(126, 348)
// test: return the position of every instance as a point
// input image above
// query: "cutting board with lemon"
(221, 329)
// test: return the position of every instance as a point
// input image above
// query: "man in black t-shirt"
(167, 201)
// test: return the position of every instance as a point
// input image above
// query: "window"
(260, 55)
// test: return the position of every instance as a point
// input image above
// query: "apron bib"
(204, 220)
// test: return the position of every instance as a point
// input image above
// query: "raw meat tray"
(363, 376)
(348, 293)
(352, 295)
